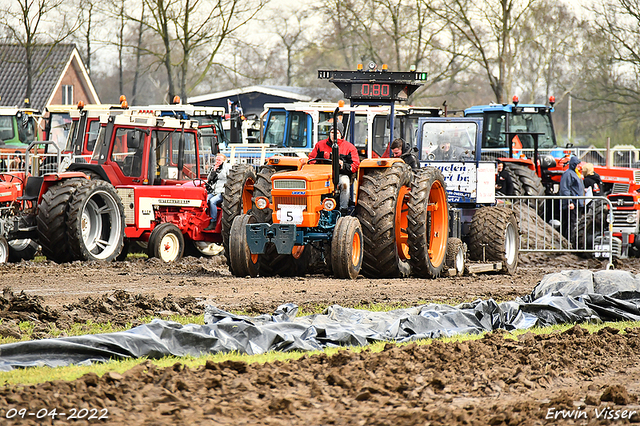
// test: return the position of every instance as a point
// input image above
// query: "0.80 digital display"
(371, 90)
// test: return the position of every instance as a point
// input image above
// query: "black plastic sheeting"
(568, 296)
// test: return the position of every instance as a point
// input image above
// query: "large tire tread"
(376, 209)
(52, 218)
(232, 200)
(488, 236)
(419, 226)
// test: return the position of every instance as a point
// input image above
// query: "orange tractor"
(397, 222)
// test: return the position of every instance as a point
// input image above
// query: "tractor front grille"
(636, 176)
(620, 188)
(289, 184)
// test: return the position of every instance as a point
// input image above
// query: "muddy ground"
(491, 381)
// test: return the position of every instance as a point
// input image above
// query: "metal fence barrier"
(619, 157)
(547, 225)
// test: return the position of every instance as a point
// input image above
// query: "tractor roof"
(479, 109)
(148, 119)
(14, 110)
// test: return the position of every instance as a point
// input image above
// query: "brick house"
(60, 77)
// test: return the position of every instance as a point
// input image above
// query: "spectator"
(215, 185)
(401, 149)
(349, 160)
(571, 185)
(591, 180)
(16, 163)
(504, 183)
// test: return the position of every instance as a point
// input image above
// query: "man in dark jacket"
(504, 183)
(571, 185)
(349, 160)
(401, 149)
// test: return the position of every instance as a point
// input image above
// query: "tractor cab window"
(128, 145)
(448, 141)
(297, 130)
(189, 164)
(274, 129)
(326, 123)
(26, 128)
(71, 135)
(495, 127)
(60, 125)
(380, 134)
(533, 122)
(6, 127)
(208, 148)
(92, 134)
(360, 135)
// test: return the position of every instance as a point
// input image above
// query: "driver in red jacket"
(349, 160)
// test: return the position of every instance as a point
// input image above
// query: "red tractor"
(149, 158)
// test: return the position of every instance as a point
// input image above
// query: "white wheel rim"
(4, 251)
(100, 225)
(169, 247)
(459, 263)
(510, 244)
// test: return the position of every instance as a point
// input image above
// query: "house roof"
(50, 65)
(282, 91)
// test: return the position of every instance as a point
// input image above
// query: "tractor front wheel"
(243, 263)
(166, 243)
(347, 248)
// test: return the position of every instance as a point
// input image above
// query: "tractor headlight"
(631, 218)
(262, 203)
(329, 204)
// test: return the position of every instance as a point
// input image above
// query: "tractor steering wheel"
(320, 160)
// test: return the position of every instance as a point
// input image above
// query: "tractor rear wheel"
(347, 248)
(166, 243)
(530, 183)
(242, 262)
(494, 237)
(382, 211)
(4, 250)
(428, 223)
(236, 199)
(517, 185)
(52, 220)
(456, 254)
(95, 222)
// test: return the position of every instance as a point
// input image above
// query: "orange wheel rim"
(254, 258)
(247, 194)
(297, 251)
(401, 223)
(439, 223)
(356, 249)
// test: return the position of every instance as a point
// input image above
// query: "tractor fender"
(92, 168)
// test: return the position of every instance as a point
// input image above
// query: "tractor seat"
(32, 188)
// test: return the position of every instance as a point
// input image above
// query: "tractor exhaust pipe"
(335, 153)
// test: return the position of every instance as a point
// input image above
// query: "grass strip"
(44, 374)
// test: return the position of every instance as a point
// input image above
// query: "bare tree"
(489, 30)
(37, 24)
(193, 31)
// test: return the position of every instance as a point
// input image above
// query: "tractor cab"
(84, 128)
(138, 147)
(18, 127)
